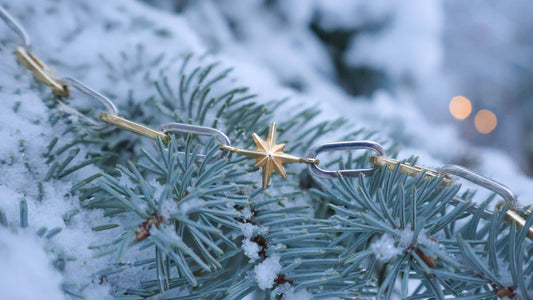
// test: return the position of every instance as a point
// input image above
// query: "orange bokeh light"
(460, 107)
(485, 121)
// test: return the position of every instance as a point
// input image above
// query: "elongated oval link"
(93, 123)
(131, 126)
(201, 130)
(16, 27)
(351, 145)
(483, 181)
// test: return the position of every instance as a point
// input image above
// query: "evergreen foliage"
(201, 227)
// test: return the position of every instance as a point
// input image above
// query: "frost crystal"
(126, 181)
(283, 289)
(384, 248)
(251, 249)
(158, 188)
(267, 271)
(247, 213)
(248, 229)
(406, 238)
(186, 206)
(167, 208)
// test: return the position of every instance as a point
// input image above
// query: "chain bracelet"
(268, 155)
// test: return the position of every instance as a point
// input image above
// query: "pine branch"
(411, 228)
(207, 231)
(174, 199)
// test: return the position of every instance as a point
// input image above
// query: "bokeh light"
(460, 107)
(485, 121)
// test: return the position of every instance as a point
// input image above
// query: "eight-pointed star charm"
(269, 155)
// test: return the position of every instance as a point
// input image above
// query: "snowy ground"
(272, 51)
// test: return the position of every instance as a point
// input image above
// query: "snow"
(190, 204)
(388, 247)
(403, 47)
(291, 294)
(168, 206)
(248, 229)
(267, 271)
(25, 269)
(406, 238)
(247, 213)
(384, 248)
(251, 249)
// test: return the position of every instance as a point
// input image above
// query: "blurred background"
(431, 50)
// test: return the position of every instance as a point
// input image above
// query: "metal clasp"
(352, 145)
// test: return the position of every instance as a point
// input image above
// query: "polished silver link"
(201, 130)
(351, 145)
(491, 185)
(16, 27)
(93, 123)
(509, 198)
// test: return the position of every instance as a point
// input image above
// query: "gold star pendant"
(269, 155)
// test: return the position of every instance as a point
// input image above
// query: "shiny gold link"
(409, 169)
(133, 127)
(512, 216)
(39, 70)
